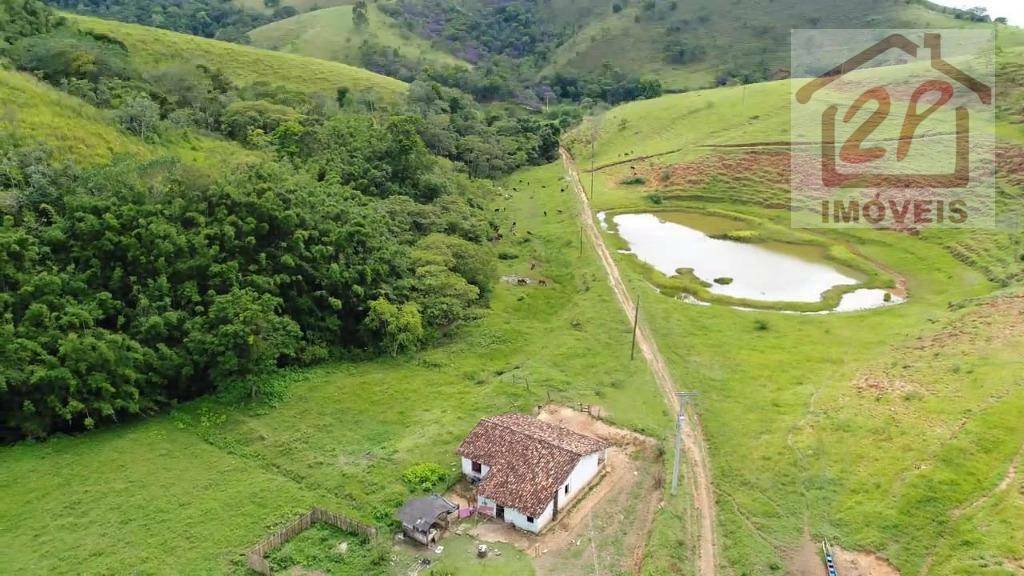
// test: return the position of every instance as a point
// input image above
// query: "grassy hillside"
(329, 34)
(300, 5)
(37, 113)
(733, 38)
(889, 431)
(727, 39)
(686, 44)
(243, 64)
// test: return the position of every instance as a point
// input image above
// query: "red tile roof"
(528, 459)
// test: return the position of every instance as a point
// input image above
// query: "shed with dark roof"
(423, 519)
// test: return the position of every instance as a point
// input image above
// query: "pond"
(769, 271)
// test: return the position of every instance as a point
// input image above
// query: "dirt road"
(693, 440)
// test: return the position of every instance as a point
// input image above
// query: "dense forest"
(219, 19)
(509, 45)
(129, 286)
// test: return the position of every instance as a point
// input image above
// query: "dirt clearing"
(862, 564)
(807, 561)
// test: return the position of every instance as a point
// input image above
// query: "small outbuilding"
(423, 519)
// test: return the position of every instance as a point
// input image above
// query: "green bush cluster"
(424, 477)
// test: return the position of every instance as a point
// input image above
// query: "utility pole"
(636, 323)
(680, 423)
(581, 240)
(592, 138)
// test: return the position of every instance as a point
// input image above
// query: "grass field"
(38, 113)
(329, 34)
(243, 64)
(888, 431)
(188, 492)
(459, 559)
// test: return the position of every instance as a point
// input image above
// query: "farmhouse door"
(499, 512)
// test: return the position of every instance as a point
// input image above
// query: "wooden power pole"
(636, 324)
(680, 423)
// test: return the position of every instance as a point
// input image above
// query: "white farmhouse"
(527, 470)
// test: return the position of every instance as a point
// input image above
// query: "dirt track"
(693, 440)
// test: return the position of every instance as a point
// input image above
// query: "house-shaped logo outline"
(959, 178)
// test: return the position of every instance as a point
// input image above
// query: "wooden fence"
(256, 557)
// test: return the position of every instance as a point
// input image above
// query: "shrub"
(397, 328)
(140, 116)
(64, 55)
(242, 117)
(242, 334)
(424, 477)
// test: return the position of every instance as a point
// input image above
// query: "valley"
(244, 279)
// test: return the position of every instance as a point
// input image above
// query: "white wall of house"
(585, 471)
(522, 521)
(515, 517)
(581, 475)
(467, 469)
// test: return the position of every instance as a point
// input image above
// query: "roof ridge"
(535, 437)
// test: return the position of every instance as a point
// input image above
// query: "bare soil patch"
(1010, 163)
(805, 560)
(605, 529)
(300, 571)
(849, 563)
(761, 176)
(587, 424)
(995, 322)
(881, 384)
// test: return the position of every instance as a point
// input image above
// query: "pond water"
(866, 299)
(772, 271)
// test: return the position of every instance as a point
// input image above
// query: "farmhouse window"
(529, 519)
(477, 468)
(566, 487)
